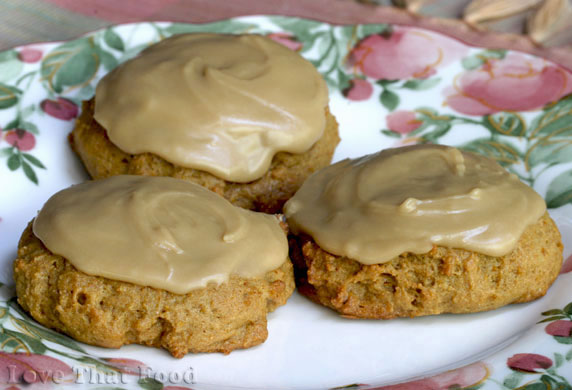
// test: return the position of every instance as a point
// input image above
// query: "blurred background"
(546, 23)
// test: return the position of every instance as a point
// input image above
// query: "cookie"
(154, 261)
(443, 280)
(241, 115)
(103, 159)
(420, 230)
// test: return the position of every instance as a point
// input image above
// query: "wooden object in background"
(438, 8)
(501, 15)
(546, 22)
(551, 25)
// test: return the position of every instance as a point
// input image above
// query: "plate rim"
(263, 16)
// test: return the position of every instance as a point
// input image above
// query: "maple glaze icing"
(224, 104)
(160, 232)
(376, 207)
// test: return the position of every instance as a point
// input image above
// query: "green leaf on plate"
(438, 131)
(391, 133)
(9, 96)
(552, 312)
(70, 65)
(308, 32)
(10, 65)
(29, 172)
(33, 160)
(477, 60)
(113, 40)
(223, 27)
(558, 359)
(9, 343)
(560, 193)
(14, 162)
(30, 127)
(34, 344)
(550, 319)
(343, 80)
(14, 305)
(13, 124)
(429, 113)
(554, 383)
(474, 387)
(85, 93)
(555, 120)
(421, 84)
(365, 30)
(101, 366)
(108, 60)
(504, 153)
(383, 82)
(472, 62)
(49, 335)
(534, 386)
(494, 53)
(513, 380)
(346, 33)
(298, 27)
(563, 340)
(434, 125)
(150, 384)
(568, 308)
(389, 99)
(27, 111)
(5, 152)
(568, 355)
(505, 123)
(549, 150)
(325, 46)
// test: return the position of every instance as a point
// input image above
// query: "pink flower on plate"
(20, 139)
(32, 370)
(30, 55)
(515, 83)
(455, 379)
(567, 266)
(127, 366)
(528, 362)
(61, 108)
(358, 90)
(405, 53)
(562, 328)
(402, 121)
(287, 40)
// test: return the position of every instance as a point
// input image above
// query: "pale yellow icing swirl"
(160, 232)
(408, 199)
(224, 104)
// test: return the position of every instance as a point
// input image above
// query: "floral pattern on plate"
(424, 87)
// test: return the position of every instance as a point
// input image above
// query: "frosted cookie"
(241, 115)
(420, 230)
(154, 261)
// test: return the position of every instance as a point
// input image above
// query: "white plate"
(389, 86)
